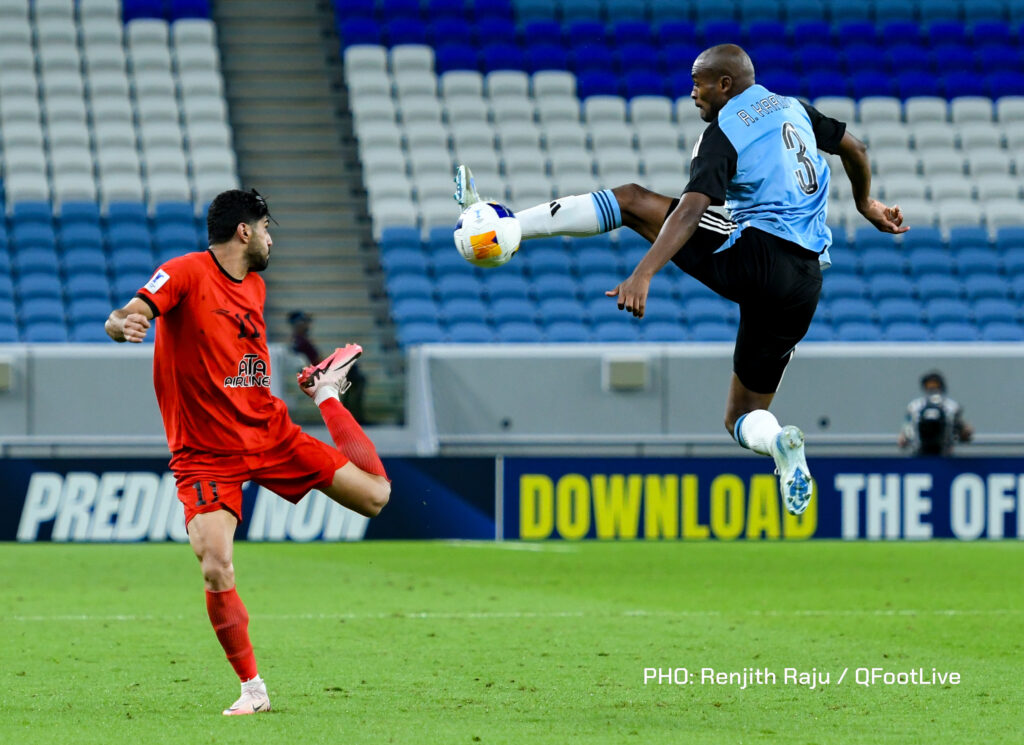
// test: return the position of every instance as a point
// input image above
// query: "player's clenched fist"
(135, 327)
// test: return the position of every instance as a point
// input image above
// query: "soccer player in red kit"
(211, 371)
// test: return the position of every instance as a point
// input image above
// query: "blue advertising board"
(738, 498)
(135, 499)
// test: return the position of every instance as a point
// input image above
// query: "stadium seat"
(992, 310)
(471, 333)
(954, 331)
(518, 332)
(858, 331)
(904, 331)
(899, 310)
(566, 332)
(849, 310)
(420, 332)
(937, 286)
(45, 332)
(999, 331)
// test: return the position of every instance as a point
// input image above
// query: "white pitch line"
(499, 615)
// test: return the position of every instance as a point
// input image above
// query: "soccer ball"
(487, 234)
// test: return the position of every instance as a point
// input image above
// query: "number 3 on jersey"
(806, 176)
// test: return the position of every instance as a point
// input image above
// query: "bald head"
(727, 60)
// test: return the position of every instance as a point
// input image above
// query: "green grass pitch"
(527, 643)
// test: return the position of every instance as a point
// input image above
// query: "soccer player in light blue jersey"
(759, 159)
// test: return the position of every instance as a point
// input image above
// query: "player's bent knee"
(218, 573)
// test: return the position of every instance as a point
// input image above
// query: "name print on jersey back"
(763, 107)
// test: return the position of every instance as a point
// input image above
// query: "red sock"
(231, 622)
(349, 437)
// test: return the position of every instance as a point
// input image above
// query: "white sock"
(756, 430)
(578, 215)
(323, 393)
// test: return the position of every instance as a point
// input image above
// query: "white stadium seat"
(74, 187)
(925, 109)
(24, 160)
(47, 9)
(429, 187)
(886, 135)
(148, 32)
(99, 9)
(979, 136)
(996, 186)
(644, 109)
(897, 186)
(564, 134)
(101, 30)
(461, 82)
(942, 162)
(19, 134)
(415, 83)
(1001, 213)
(213, 159)
(113, 159)
(142, 58)
(196, 57)
(517, 135)
(932, 135)
(472, 135)
(523, 161)
(412, 57)
(656, 134)
(511, 109)
(111, 83)
(554, 84)
(970, 109)
(26, 187)
(114, 134)
(838, 107)
(121, 187)
(15, 31)
(359, 58)
(940, 189)
(610, 134)
(417, 135)
(56, 31)
(165, 160)
(71, 159)
(197, 31)
(879, 109)
(1010, 109)
(169, 187)
(507, 83)
(604, 109)
(988, 161)
(18, 83)
(551, 110)
(420, 109)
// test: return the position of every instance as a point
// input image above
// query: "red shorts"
(212, 481)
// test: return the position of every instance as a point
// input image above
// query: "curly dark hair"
(229, 208)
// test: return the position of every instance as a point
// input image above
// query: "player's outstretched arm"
(129, 323)
(858, 169)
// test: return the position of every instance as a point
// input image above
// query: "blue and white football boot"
(791, 466)
(465, 187)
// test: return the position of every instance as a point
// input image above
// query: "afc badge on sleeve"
(158, 280)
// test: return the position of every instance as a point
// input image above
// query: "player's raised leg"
(581, 215)
(754, 427)
(361, 484)
(212, 537)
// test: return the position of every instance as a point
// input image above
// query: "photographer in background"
(300, 321)
(934, 421)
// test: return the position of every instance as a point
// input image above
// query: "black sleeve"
(827, 131)
(713, 165)
(150, 303)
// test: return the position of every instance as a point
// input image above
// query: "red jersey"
(211, 367)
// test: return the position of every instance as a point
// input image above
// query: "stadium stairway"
(293, 137)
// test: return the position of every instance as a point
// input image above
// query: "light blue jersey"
(763, 150)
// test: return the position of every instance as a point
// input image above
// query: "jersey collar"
(222, 270)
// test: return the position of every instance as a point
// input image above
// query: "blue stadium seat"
(38, 285)
(818, 57)
(346, 8)
(754, 32)
(847, 310)
(414, 311)
(126, 285)
(1009, 237)
(503, 286)
(469, 332)
(800, 12)
(870, 83)
(618, 330)
(704, 309)
(587, 32)
(644, 83)
(176, 239)
(573, 10)
(819, 331)
(851, 31)
(568, 332)
(969, 237)
(677, 32)
(33, 235)
(33, 260)
(921, 237)
(827, 83)
(519, 332)
(1008, 83)
(174, 213)
(668, 11)
(44, 310)
(881, 260)
(7, 311)
(449, 262)
(502, 57)
(121, 213)
(405, 30)
(543, 32)
(782, 82)
(899, 310)
(952, 58)
(773, 57)
(977, 260)
(188, 9)
(928, 260)
(712, 331)
(591, 58)
(946, 310)
(1013, 261)
(956, 84)
(455, 56)
(601, 309)
(664, 331)
(359, 30)
(80, 236)
(31, 212)
(453, 286)
(426, 332)
(992, 310)
(6, 287)
(404, 286)
(88, 331)
(886, 286)
(976, 11)
(509, 310)
(596, 284)
(941, 17)
(760, 10)
(404, 261)
(858, 331)
(45, 333)
(445, 8)
(82, 286)
(1002, 332)
(548, 261)
(997, 56)
(532, 10)
(631, 32)
(75, 213)
(721, 31)
(132, 259)
(634, 57)
(897, 25)
(84, 261)
(954, 331)
(399, 8)
(464, 310)
(597, 84)
(917, 83)
(8, 332)
(88, 310)
(598, 261)
(982, 286)
(861, 58)
(933, 286)
(446, 29)
(546, 57)
(907, 331)
(994, 32)
(624, 11)
(399, 237)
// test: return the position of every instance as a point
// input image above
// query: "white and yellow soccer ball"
(487, 234)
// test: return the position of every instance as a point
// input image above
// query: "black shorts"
(775, 282)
